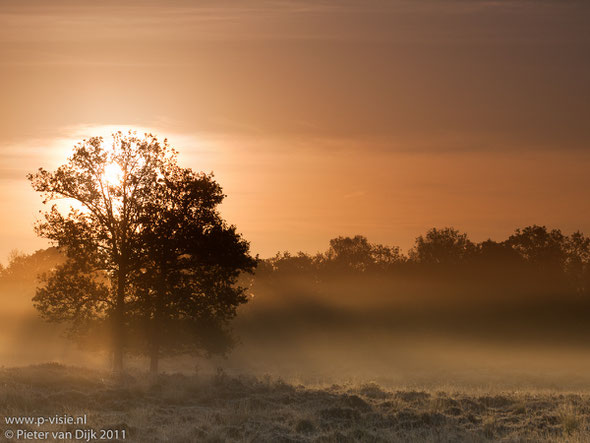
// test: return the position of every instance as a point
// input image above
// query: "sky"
(318, 118)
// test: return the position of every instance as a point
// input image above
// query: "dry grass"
(180, 408)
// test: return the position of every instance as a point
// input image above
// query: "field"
(219, 407)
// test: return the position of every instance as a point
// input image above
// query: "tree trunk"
(155, 332)
(119, 320)
(156, 323)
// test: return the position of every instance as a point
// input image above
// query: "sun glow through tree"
(113, 174)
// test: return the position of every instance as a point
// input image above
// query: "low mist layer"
(505, 314)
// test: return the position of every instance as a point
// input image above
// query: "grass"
(220, 408)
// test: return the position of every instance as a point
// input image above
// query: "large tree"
(109, 188)
(188, 288)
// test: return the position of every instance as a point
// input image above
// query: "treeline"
(534, 284)
(532, 260)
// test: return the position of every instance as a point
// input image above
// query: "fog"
(477, 324)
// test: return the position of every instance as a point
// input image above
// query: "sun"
(112, 174)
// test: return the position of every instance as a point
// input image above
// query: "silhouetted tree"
(442, 246)
(188, 291)
(577, 264)
(540, 247)
(287, 263)
(492, 251)
(358, 254)
(103, 236)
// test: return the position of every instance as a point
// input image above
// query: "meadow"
(220, 407)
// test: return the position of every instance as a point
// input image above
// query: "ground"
(219, 408)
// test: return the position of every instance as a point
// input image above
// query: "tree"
(358, 254)
(188, 290)
(287, 264)
(22, 266)
(442, 246)
(544, 249)
(577, 265)
(18, 279)
(148, 247)
(102, 237)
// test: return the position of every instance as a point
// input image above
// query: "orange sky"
(319, 118)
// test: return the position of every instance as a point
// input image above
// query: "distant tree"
(101, 237)
(491, 253)
(23, 266)
(18, 280)
(188, 289)
(577, 264)
(286, 263)
(358, 254)
(442, 246)
(540, 247)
